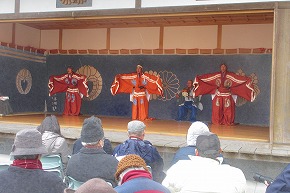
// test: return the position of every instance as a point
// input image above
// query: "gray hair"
(136, 128)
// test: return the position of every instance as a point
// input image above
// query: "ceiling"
(154, 20)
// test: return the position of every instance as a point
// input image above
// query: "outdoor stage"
(164, 127)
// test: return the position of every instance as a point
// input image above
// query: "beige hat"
(93, 185)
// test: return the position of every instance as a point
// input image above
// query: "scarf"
(27, 163)
(136, 174)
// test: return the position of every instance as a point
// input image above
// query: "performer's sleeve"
(56, 84)
(154, 84)
(122, 84)
(83, 85)
(242, 86)
(205, 84)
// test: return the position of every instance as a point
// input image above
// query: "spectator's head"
(93, 185)
(27, 145)
(92, 132)
(197, 128)
(136, 129)
(51, 124)
(208, 146)
(128, 163)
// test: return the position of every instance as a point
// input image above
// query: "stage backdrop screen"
(24, 81)
(174, 70)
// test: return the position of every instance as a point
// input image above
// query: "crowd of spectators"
(135, 166)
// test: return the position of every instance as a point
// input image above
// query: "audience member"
(203, 172)
(92, 161)
(281, 183)
(107, 146)
(25, 174)
(96, 185)
(133, 176)
(197, 128)
(137, 145)
(54, 142)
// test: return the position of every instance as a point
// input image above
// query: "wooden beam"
(60, 39)
(219, 36)
(108, 42)
(138, 4)
(17, 6)
(161, 37)
(13, 33)
(96, 15)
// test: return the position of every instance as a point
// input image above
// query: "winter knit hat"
(51, 124)
(136, 126)
(28, 142)
(92, 130)
(93, 185)
(197, 128)
(130, 161)
(208, 146)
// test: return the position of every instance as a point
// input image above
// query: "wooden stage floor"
(164, 127)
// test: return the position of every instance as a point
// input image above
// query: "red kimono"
(140, 89)
(75, 86)
(224, 89)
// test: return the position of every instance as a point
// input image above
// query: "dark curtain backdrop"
(34, 100)
(184, 67)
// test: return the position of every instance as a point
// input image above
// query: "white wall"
(50, 5)
(135, 38)
(84, 39)
(247, 36)
(7, 6)
(6, 32)
(186, 37)
(49, 39)
(27, 36)
(204, 37)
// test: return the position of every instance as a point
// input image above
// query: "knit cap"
(92, 130)
(136, 126)
(196, 128)
(130, 161)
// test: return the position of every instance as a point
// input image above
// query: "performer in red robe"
(140, 85)
(225, 87)
(75, 86)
